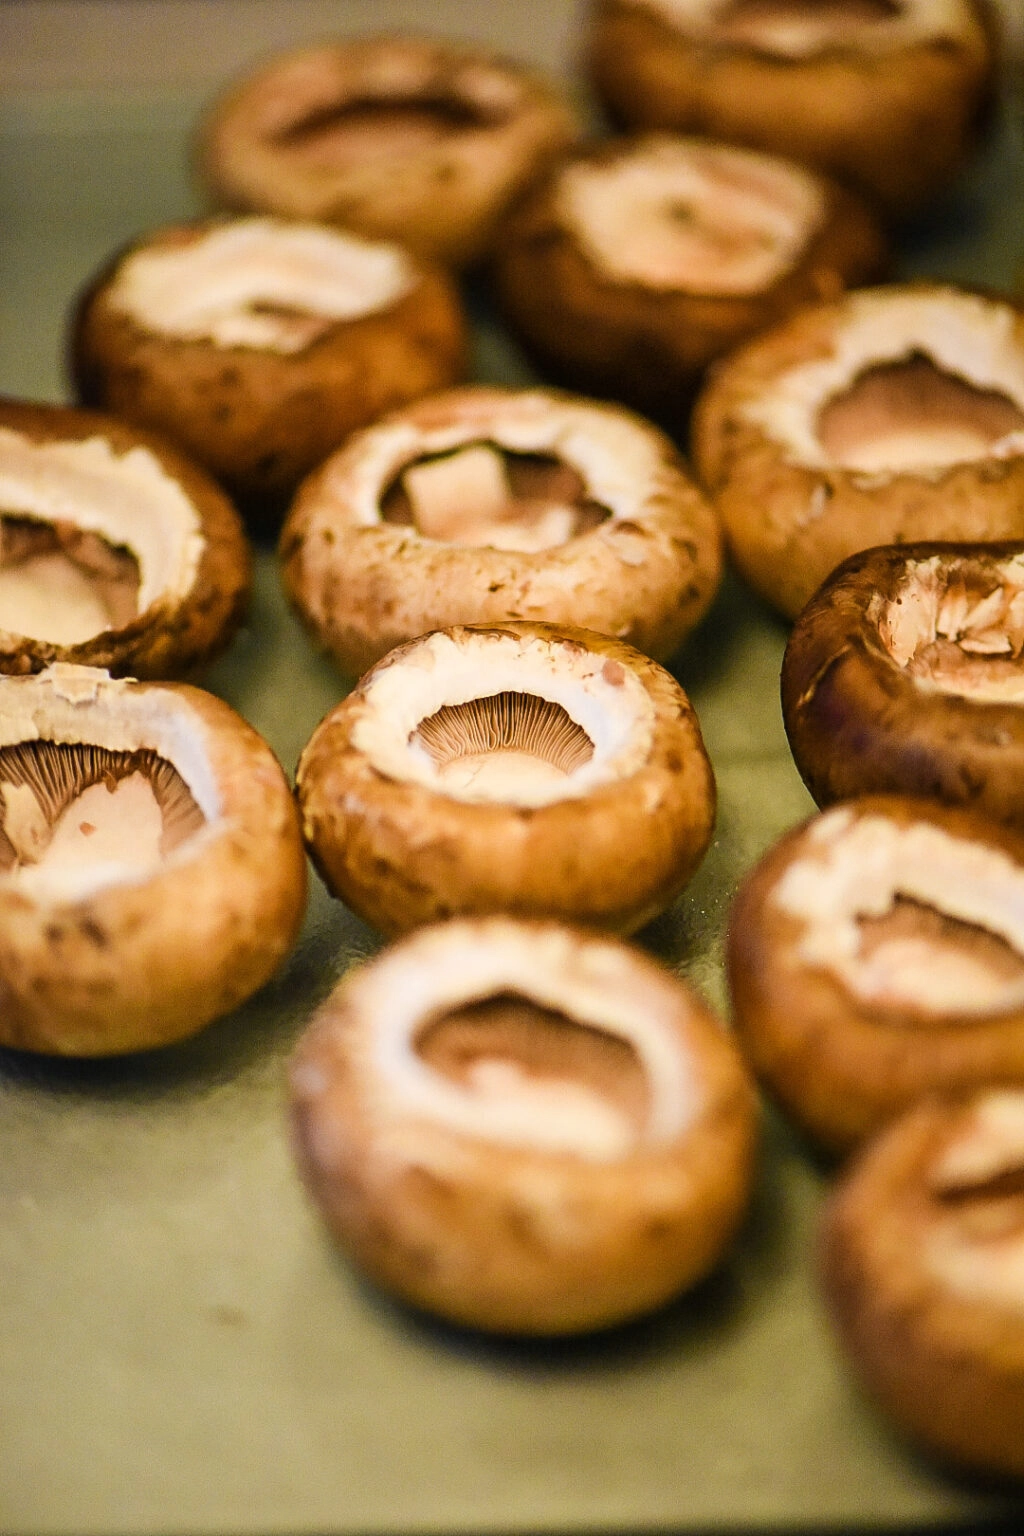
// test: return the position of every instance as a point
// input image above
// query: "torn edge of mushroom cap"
(127, 498)
(622, 209)
(855, 864)
(607, 701)
(593, 981)
(979, 339)
(619, 456)
(908, 24)
(261, 283)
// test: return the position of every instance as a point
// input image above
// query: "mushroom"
(922, 1265)
(152, 874)
(904, 673)
(412, 139)
(523, 1127)
(481, 505)
(876, 956)
(115, 550)
(640, 260)
(888, 95)
(526, 768)
(891, 416)
(259, 344)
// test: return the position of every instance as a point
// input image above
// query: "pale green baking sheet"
(181, 1350)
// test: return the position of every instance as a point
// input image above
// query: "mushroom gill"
(483, 495)
(62, 583)
(64, 806)
(503, 741)
(914, 953)
(912, 414)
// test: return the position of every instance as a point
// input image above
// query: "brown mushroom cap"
(638, 261)
(892, 416)
(481, 505)
(876, 956)
(904, 674)
(524, 1127)
(889, 97)
(921, 1261)
(412, 139)
(115, 550)
(258, 344)
(526, 768)
(152, 874)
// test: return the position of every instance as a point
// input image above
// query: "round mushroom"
(259, 344)
(888, 95)
(527, 768)
(152, 874)
(414, 139)
(891, 416)
(875, 957)
(922, 1249)
(115, 550)
(905, 673)
(483, 504)
(524, 1128)
(639, 260)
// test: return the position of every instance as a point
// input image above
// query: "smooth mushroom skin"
(891, 98)
(97, 962)
(256, 415)
(647, 340)
(894, 415)
(874, 958)
(636, 553)
(920, 1260)
(877, 700)
(411, 138)
(505, 1188)
(403, 845)
(188, 622)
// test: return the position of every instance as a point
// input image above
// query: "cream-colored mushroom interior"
(364, 129)
(957, 625)
(482, 495)
(500, 745)
(507, 1046)
(909, 917)
(63, 584)
(802, 28)
(89, 814)
(911, 412)
(683, 215)
(975, 1239)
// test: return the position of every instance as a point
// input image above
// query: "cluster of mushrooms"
(512, 1116)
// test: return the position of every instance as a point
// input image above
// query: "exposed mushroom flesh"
(800, 29)
(856, 892)
(260, 283)
(374, 129)
(89, 815)
(508, 1048)
(975, 1239)
(490, 747)
(61, 584)
(691, 217)
(903, 414)
(480, 495)
(958, 626)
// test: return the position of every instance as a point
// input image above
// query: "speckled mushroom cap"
(905, 673)
(152, 874)
(639, 260)
(115, 550)
(259, 344)
(892, 415)
(414, 139)
(922, 1255)
(524, 1127)
(876, 956)
(889, 97)
(481, 505)
(523, 768)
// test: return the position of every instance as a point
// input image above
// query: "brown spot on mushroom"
(613, 673)
(504, 734)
